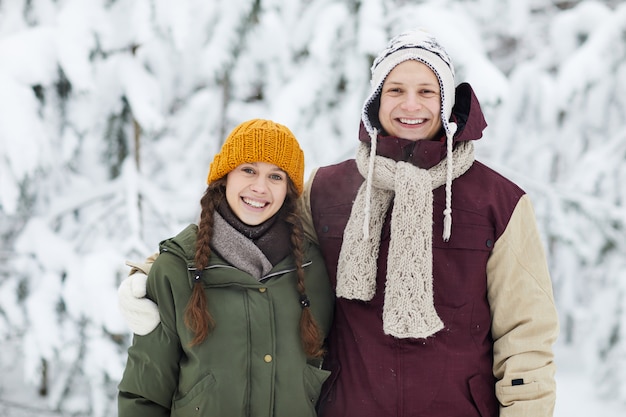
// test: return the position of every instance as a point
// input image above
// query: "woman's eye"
(248, 170)
(276, 177)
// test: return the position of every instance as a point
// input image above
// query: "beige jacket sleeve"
(305, 209)
(525, 324)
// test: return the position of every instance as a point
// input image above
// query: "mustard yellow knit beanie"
(259, 140)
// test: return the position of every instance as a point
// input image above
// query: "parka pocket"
(509, 394)
(193, 403)
(460, 264)
(481, 389)
(314, 378)
(465, 237)
(328, 389)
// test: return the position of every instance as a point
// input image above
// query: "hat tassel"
(368, 185)
(447, 212)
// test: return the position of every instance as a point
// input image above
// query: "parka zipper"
(192, 269)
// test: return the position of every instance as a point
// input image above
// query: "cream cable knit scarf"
(408, 305)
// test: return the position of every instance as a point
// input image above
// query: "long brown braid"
(197, 316)
(310, 333)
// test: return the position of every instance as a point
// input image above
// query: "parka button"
(262, 289)
(267, 358)
(489, 243)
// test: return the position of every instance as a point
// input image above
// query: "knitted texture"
(420, 46)
(415, 45)
(238, 250)
(259, 140)
(408, 309)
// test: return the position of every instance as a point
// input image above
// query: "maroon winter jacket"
(450, 373)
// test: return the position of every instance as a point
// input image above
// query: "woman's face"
(256, 191)
(410, 102)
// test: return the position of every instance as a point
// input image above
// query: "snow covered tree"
(111, 111)
(561, 132)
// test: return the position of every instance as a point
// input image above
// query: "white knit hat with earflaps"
(406, 190)
(421, 46)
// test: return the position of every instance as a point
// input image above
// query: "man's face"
(410, 102)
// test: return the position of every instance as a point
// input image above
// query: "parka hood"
(425, 154)
(183, 244)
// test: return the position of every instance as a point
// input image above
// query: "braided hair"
(197, 316)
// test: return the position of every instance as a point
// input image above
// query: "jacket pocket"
(465, 236)
(328, 389)
(508, 394)
(314, 378)
(194, 402)
(481, 389)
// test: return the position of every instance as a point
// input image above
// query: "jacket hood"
(425, 154)
(183, 244)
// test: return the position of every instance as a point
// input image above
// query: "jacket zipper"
(265, 278)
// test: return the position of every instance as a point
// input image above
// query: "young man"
(444, 302)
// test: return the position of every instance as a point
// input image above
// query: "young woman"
(244, 300)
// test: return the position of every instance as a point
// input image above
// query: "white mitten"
(140, 313)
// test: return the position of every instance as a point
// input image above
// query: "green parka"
(252, 363)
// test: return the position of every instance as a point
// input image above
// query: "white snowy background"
(111, 111)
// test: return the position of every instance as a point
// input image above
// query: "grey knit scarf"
(238, 250)
(408, 304)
